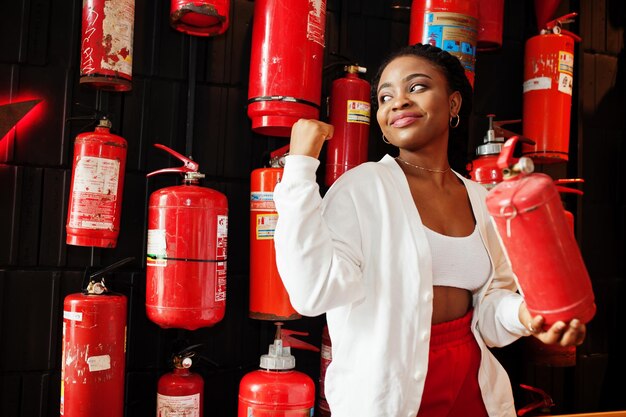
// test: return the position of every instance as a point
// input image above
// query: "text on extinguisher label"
(73, 315)
(455, 33)
(262, 201)
(358, 112)
(265, 226)
(178, 406)
(316, 21)
(157, 248)
(117, 28)
(94, 195)
(99, 363)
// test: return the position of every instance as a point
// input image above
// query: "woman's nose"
(400, 102)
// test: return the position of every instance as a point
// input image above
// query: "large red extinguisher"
(350, 116)
(490, 20)
(268, 297)
(451, 25)
(181, 392)
(277, 390)
(200, 17)
(547, 99)
(94, 350)
(95, 206)
(286, 64)
(186, 252)
(106, 58)
(540, 244)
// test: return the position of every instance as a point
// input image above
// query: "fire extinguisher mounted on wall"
(200, 17)
(186, 251)
(547, 98)
(349, 113)
(94, 349)
(95, 201)
(268, 297)
(181, 392)
(277, 386)
(540, 245)
(106, 59)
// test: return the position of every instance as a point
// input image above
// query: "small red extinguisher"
(268, 297)
(200, 17)
(95, 206)
(540, 244)
(350, 116)
(186, 251)
(451, 25)
(277, 390)
(547, 98)
(484, 169)
(181, 392)
(94, 350)
(106, 58)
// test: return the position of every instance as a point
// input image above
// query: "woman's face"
(414, 103)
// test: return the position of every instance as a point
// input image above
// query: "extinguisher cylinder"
(180, 392)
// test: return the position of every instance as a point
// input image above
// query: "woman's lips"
(404, 121)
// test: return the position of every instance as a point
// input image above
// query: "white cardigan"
(362, 257)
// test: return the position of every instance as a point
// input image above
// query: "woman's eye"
(417, 87)
(384, 98)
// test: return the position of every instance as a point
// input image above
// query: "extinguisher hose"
(93, 276)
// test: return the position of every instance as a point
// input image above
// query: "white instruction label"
(178, 406)
(539, 83)
(99, 363)
(157, 248)
(73, 315)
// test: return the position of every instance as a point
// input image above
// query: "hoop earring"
(385, 140)
(454, 121)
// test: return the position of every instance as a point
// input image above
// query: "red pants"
(451, 387)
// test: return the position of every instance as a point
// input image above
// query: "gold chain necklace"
(440, 171)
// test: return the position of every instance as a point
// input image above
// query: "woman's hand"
(571, 334)
(308, 136)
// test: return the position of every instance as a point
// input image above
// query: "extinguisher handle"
(566, 190)
(506, 159)
(572, 35)
(279, 152)
(289, 340)
(567, 18)
(188, 164)
(110, 268)
(545, 401)
(569, 181)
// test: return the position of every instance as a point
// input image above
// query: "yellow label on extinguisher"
(358, 112)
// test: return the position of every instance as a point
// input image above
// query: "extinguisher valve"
(104, 122)
(193, 176)
(355, 69)
(96, 287)
(523, 166)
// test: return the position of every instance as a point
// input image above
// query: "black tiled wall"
(39, 57)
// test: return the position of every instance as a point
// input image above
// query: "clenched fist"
(308, 136)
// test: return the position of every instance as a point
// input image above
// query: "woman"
(402, 257)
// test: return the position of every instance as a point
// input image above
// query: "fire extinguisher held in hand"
(277, 390)
(94, 350)
(286, 64)
(268, 298)
(547, 99)
(181, 392)
(451, 25)
(106, 59)
(186, 259)
(95, 206)
(350, 116)
(544, 255)
(200, 17)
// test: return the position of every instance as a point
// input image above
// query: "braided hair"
(454, 73)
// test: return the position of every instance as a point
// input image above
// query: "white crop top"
(460, 262)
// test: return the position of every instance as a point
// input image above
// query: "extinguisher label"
(566, 62)
(99, 363)
(117, 28)
(157, 248)
(316, 21)
(538, 83)
(73, 315)
(453, 32)
(260, 411)
(358, 112)
(220, 281)
(265, 226)
(178, 406)
(94, 193)
(222, 238)
(63, 373)
(262, 201)
(565, 83)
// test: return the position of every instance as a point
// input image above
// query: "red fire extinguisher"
(277, 390)
(350, 116)
(490, 19)
(181, 392)
(94, 350)
(286, 64)
(95, 206)
(186, 259)
(484, 169)
(326, 357)
(268, 297)
(200, 17)
(528, 213)
(451, 25)
(547, 100)
(106, 59)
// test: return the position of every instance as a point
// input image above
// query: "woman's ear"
(455, 103)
